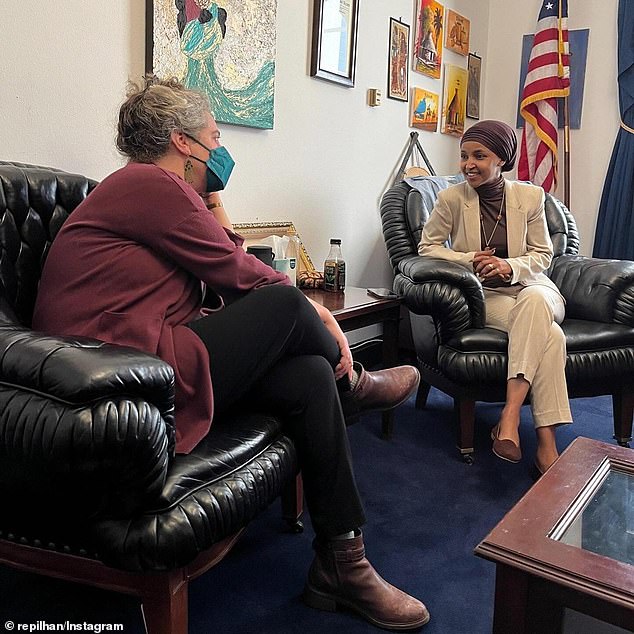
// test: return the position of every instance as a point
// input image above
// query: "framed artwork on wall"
(429, 36)
(334, 43)
(398, 61)
(457, 33)
(474, 67)
(425, 110)
(224, 49)
(454, 100)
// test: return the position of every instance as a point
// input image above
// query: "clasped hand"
(486, 266)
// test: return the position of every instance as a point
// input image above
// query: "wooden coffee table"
(569, 542)
(354, 309)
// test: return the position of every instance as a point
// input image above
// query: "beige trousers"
(537, 345)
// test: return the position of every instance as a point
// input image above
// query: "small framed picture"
(255, 232)
(473, 86)
(425, 110)
(397, 73)
(454, 100)
(457, 33)
(334, 45)
(427, 44)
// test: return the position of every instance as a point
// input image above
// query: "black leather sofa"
(90, 488)
(457, 354)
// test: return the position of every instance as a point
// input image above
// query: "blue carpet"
(426, 510)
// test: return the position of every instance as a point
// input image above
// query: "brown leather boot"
(340, 575)
(380, 390)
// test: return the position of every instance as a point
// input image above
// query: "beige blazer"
(456, 218)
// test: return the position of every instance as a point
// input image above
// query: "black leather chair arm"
(79, 369)
(448, 292)
(594, 289)
(87, 428)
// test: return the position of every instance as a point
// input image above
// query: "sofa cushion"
(238, 470)
(596, 351)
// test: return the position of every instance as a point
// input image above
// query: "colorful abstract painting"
(457, 33)
(454, 100)
(425, 109)
(225, 49)
(429, 37)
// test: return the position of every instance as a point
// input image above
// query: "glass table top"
(605, 523)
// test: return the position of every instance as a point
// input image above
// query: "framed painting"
(429, 36)
(457, 33)
(397, 74)
(224, 49)
(334, 44)
(255, 232)
(474, 67)
(454, 100)
(425, 109)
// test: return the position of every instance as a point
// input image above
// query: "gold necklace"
(497, 222)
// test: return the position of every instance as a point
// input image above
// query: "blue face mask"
(219, 166)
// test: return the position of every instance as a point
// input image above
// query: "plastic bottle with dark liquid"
(335, 268)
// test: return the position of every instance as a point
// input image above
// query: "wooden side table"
(355, 309)
(567, 544)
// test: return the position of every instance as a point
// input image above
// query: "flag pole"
(566, 153)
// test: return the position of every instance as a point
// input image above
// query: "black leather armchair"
(90, 488)
(457, 354)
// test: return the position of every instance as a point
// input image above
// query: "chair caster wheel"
(623, 444)
(295, 526)
(468, 458)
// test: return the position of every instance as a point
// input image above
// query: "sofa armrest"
(86, 428)
(595, 289)
(448, 292)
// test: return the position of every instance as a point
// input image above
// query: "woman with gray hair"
(497, 228)
(130, 267)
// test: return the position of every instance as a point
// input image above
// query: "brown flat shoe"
(505, 449)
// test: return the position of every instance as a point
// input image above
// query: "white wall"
(591, 145)
(330, 156)
(64, 67)
(325, 164)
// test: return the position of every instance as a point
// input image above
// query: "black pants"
(271, 349)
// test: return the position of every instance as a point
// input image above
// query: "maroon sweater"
(127, 268)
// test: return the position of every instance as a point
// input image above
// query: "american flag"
(547, 77)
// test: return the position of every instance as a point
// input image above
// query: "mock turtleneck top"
(492, 204)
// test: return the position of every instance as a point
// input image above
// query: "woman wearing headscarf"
(497, 228)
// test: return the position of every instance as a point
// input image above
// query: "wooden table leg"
(524, 605)
(511, 600)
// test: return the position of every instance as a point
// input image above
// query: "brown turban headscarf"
(498, 137)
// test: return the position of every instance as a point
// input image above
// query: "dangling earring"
(189, 172)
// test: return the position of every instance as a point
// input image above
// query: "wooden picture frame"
(398, 61)
(334, 41)
(474, 67)
(255, 232)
